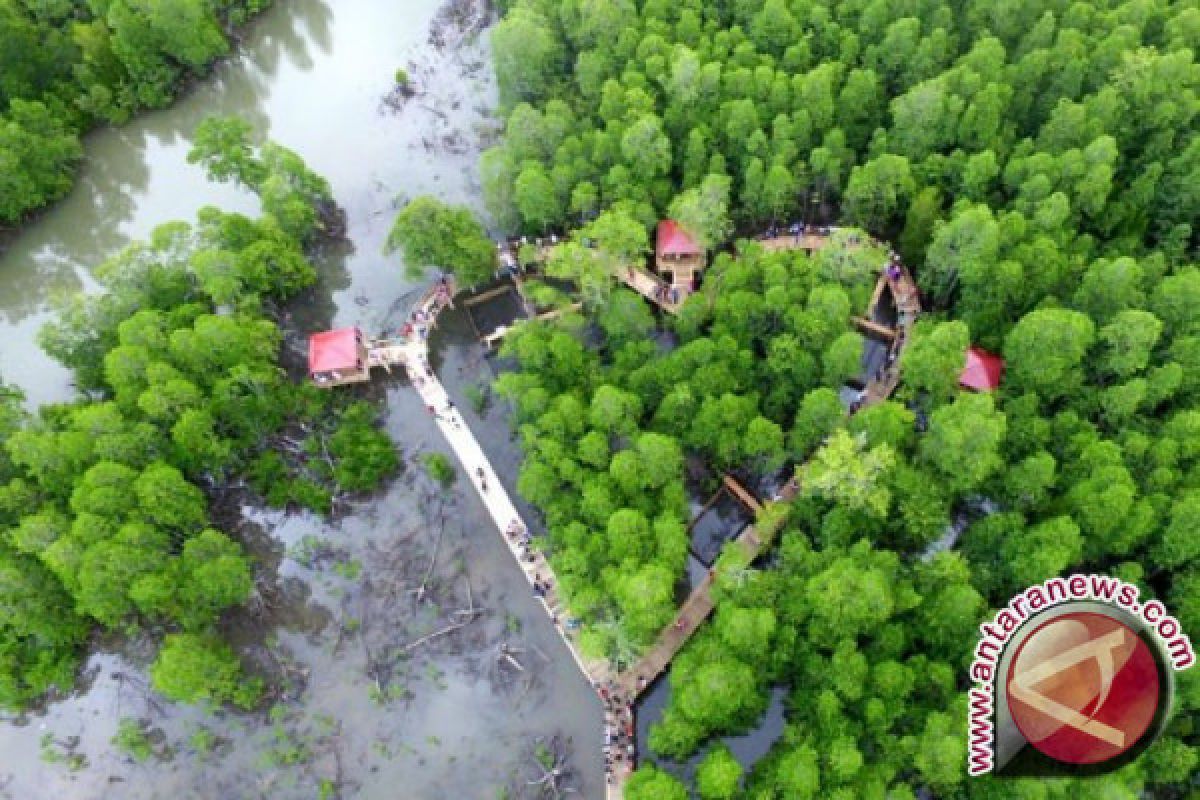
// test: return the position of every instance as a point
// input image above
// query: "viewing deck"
(803, 241)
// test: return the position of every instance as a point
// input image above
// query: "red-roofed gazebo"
(337, 357)
(678, 256)
(673, 240)
(982, 371)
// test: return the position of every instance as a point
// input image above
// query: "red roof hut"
(337, 357)
(678, 257)
(982, 371)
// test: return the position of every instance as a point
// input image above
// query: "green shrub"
(438, 466)
(131, 739)
(478, 396)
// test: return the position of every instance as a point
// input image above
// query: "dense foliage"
(430, 233)
(67, 66)
(1037, 164)
(296, 198)
(103, 514)
(606, 429)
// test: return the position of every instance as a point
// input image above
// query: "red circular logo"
(1083, 688)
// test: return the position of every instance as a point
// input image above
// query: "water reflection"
(318, 21)
(747, 748)
(312, 80)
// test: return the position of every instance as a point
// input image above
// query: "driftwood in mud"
(396, 99)
(507, 654)
(462, 618)
(419, 592)
(458, 21)
(141, 687)
(549, 759)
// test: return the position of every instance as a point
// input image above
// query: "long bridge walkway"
(495, 498)
(624, 686)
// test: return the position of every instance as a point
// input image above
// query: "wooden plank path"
(805, 241)
(651, 287)
(869, 326)
(500, 508)
(640, 280)
(494, 338)
(483, 297)
(630, 683)
(743, 494)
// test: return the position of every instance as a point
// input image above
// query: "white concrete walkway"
(495, 497)
(479, 472)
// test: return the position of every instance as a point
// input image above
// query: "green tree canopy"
(429, 233)
(845, 471)
(195, 668)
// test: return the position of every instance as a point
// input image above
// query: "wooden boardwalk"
(653, 288)
(499, 505)
(494, 338)
(640, 280)
(479, 471)
(692, 614)
(805, 241)
(629, 683)
(904, 289)
(741, 493)
(908, 307)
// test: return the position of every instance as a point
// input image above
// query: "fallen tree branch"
(465, 617)
(419, 592)
(451, 628)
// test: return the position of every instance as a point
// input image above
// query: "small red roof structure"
(982, 371)
(675, 241)
(333, 350)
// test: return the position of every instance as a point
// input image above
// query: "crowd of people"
(665, 295)
(424, 316)
(509, 251)
(620, 750)
(796, 229)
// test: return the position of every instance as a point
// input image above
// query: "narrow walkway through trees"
(493, 339)
(653, 288)
(623, 687)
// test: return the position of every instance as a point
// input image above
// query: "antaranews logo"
(1073, 676)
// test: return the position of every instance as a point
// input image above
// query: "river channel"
(333, 598)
